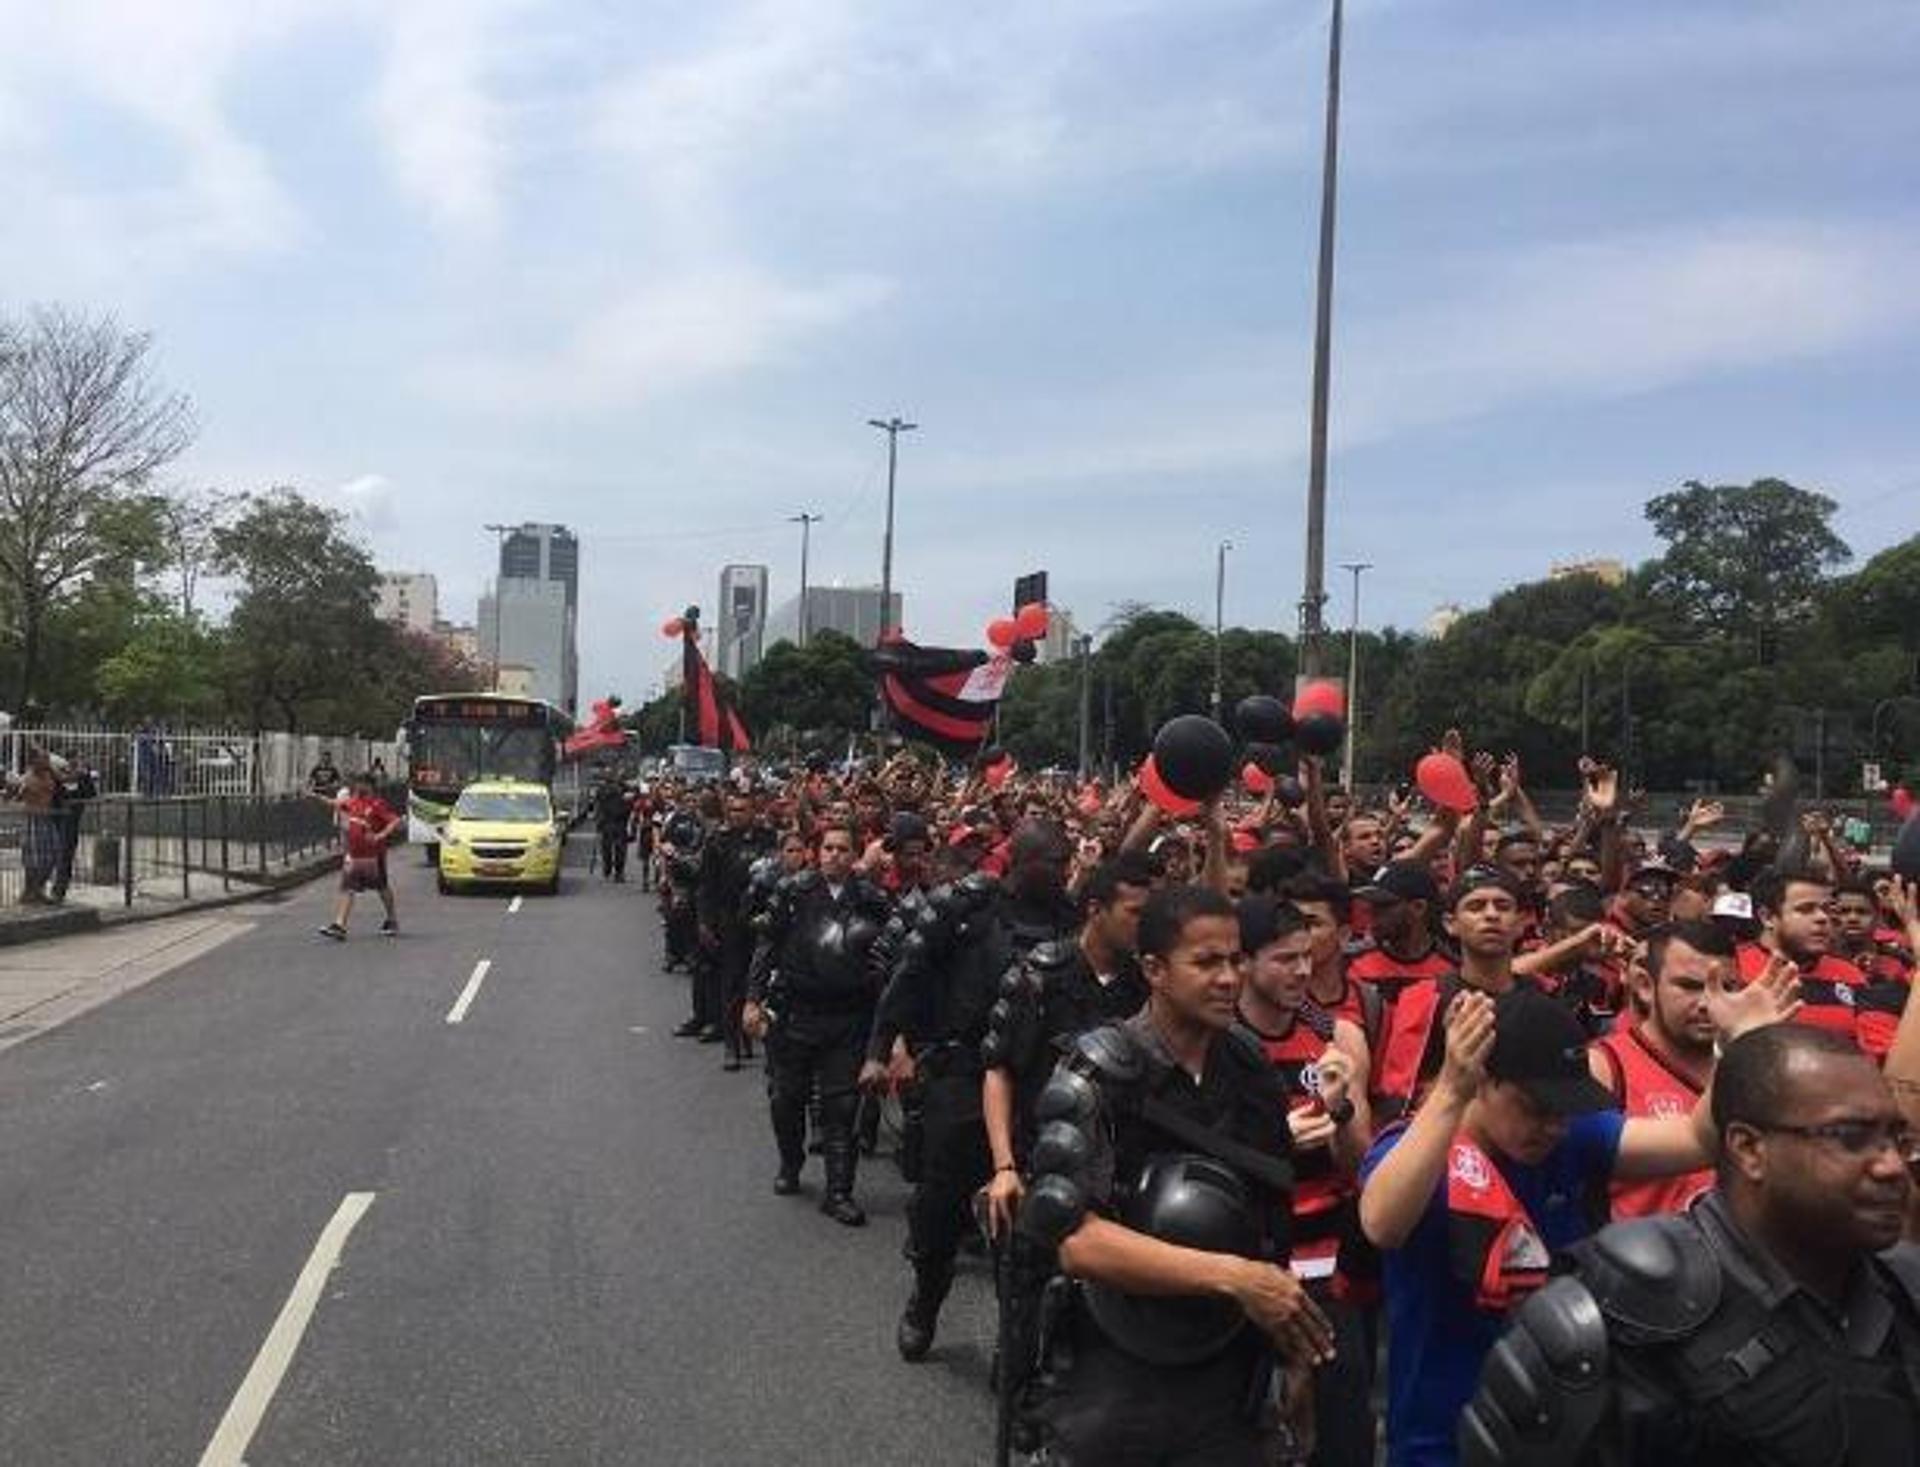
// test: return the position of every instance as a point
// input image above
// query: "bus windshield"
(449, 756)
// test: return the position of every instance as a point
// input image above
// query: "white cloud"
(668, 334)
(369, 500)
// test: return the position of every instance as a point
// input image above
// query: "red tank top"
(1648, 1088)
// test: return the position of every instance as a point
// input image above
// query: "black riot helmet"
(1195, 1202)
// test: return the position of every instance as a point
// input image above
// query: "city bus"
(454, 739)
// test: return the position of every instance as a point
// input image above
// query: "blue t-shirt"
(1437, 1337)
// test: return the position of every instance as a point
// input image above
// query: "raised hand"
(1469, 1042)
(1704, 815)
(1602, 784)
(1772, 998)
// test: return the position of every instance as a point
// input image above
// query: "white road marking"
(250, 1402)
(514, 905)
(465, 1000)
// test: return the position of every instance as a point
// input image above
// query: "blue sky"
(648, 269)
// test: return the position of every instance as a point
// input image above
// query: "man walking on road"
(369, 823)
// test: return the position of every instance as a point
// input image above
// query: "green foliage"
(801, 696)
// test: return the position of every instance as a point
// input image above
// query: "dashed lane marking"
(465, 1000)
(250, 1402)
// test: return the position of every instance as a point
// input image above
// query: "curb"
(66, 921)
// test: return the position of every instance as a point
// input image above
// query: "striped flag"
(711, 718)
(945, 696)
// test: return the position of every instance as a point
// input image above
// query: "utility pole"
(806, 522)
(1353, 669)
(893, 427)
(1313, 597)
(1085, 648)
(500, 533)
(1219, 619)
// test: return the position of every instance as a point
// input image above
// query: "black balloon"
(1289, 792)
(1025, 652)
(1194, 756)
(1269, 757)
(1263, 719)
(1320, 733)
(1906, 850)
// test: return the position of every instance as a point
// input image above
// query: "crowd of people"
(1599, 1139)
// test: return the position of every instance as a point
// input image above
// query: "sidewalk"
(45, 984)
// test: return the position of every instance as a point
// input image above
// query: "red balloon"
(1319, 697)
(1256, 779)
(673, 628)
(1444, 780)
(1032, 621)
(1156, 790)
(1003, 632)
(1903, 802)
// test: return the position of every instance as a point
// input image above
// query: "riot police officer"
(1162, 1176)
(1775, 1324)
(681, 836)
(944, 983)
(726, 871)
(811, 992)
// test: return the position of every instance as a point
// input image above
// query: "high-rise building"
(853, 611)
(534, 557)
(740, 624)
(410, 599)
(1059, 644)
(528, 624)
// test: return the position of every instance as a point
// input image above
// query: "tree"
(302, 632)
(188, 523)
(169, 668)
(83, 432)
(813, 694)
(1745, 561)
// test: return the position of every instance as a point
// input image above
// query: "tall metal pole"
(500, 554)
(1313, 596)
(1219, 619)
(893, 427)
(1086, 703)
(806, 522)
(1353, 668)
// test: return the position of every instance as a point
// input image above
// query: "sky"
(649, 269)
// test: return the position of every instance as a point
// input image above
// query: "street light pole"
(1313, 597)
(500, 533)
(1353, 669)
(893, 427)
(1085, 649)
(1219, 619)
(806, 522)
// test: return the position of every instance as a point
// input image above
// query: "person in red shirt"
(369, 823)
(1326, 903)
(1796, 923)
(1660, 1065)
(1858, 935)
(1404, 901)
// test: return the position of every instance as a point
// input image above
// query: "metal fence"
(159, 763)
(129, 851)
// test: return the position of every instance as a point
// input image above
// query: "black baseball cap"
(1540, 1046)
(1400, 881)
(1475, 877)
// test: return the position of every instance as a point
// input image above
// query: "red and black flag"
(712, 720)
(943, 695)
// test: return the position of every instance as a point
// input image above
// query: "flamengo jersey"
(1323, 1197)
(1648, 1088)
(1830, 990)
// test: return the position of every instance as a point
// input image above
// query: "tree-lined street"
(571, 1252)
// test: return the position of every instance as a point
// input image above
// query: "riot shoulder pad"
(1052, 1209)
(1656, 1279)
(800, 883)
(1047, 959)
(975, 890)
(869, 900)
(1110, 1055)
(1545, 1388)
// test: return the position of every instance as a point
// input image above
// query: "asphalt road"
(571, 1253)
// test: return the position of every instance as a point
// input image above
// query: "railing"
(159, 764)
(128, 851)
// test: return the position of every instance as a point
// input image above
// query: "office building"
(536, 562)
(409, 599)
(1060, 642)
(527, 624)
(740, 619)
(853, 611)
